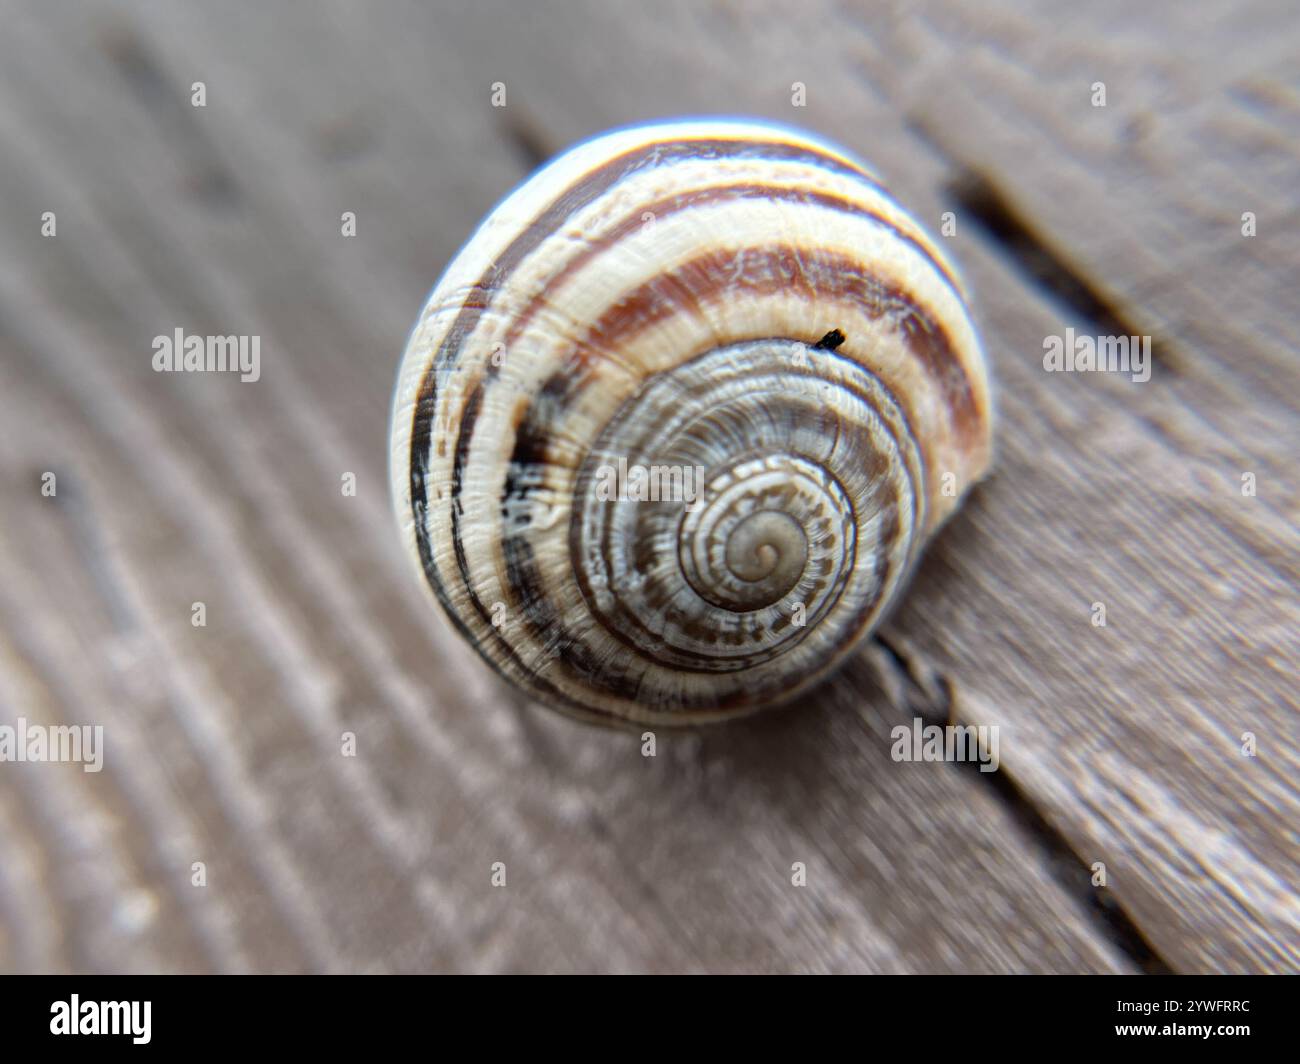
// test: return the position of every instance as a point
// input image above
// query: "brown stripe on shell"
(670, 205)
(782, 268)
(812, 274)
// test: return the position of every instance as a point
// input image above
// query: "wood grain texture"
(1119, 744)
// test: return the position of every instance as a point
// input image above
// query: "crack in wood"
(932, 695)
(998, 219)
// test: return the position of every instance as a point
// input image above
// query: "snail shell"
(729, 301)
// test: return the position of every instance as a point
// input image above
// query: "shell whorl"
(733, 312)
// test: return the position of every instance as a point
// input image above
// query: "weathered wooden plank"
(212, 491)
(1107, 491)
(1129, 495)
(226, 738)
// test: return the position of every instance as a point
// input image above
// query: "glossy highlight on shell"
(737, 311)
